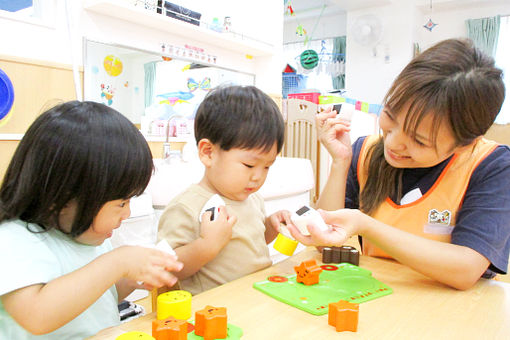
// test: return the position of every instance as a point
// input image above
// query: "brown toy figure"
(308, 272)
(340, 254)
(170, 329)
(343, 316)
(211, 323)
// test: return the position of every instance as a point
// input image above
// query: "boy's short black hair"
(241, 117)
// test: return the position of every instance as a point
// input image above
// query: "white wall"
(451, 23)
(368, 77)
(262, 21)
(369, 70)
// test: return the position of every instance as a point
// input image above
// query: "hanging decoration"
(327, 62)
(288, 8)
(300, 31)
(309, 59)
(430, 24)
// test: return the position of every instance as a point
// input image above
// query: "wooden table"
(418, 308)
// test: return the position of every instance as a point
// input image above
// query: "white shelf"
(11, 136)
(138, 15)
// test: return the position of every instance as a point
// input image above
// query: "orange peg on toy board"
(308, 272)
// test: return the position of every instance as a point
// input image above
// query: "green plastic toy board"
(336, 282)
(233, 333)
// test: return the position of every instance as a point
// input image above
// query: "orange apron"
(434, 214)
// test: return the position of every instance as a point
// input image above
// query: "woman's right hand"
(151, 266)
(217, 232)
(333, 133)
(343, 223)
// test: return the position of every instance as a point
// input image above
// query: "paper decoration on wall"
(188, 51)
(112, 65)
(205, 84)
(107, 93)
(6, 97)
(172, 98)
(309, 59)
(94, 69)
(126, 84)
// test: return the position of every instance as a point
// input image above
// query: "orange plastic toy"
(170, 329)
(343, 315)
(308, 272)
(211, 323)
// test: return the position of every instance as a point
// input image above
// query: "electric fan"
(367, 30)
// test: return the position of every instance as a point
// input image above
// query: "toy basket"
(292, 83)
(308, 96)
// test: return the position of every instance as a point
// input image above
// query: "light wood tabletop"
(418, 308)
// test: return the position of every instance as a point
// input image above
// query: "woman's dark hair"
(240, 117)
(77, 151)
(453, 81)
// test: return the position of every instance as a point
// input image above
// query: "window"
(503, 62)
(33, 11)
(318, 78)
(16, 6)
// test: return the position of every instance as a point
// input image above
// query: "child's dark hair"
(76, 151)
(455, 83)
(240, 117)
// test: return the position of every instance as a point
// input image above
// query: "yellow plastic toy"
(134, 336)
(176, 303)
(285, 245)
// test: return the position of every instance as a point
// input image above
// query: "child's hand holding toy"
(218, 231)
(151, 266)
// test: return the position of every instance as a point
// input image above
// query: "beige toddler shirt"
(244, 254)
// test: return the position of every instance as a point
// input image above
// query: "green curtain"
(484, 32)
(150, 78)
(339, 55)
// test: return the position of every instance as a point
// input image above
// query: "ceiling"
(312, 8)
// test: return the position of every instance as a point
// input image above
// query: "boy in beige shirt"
(239, 132)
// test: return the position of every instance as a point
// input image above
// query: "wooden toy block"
(170, 329)
(340, 254)
(211, 323)
(343, 315)
(308, 272)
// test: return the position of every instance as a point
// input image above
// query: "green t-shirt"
(29, 257)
